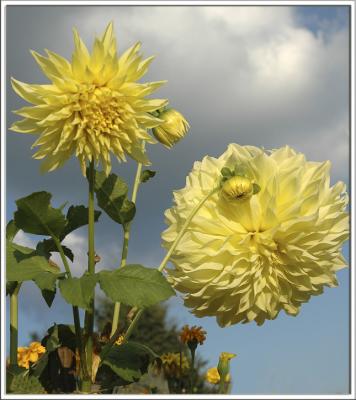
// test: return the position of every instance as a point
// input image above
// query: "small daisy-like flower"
(173, 129)
(243, 261)
(194, 334)
(92, 107)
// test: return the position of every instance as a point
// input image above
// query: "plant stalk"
(75, 309)
(14, 324)
(89, 314)
(125, 244)
(171, 250)
(191, 375)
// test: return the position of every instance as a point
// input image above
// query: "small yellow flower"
(171, 364)
(212, 376)
(37, 348)
(173, 129)
(93, 106)
(237, 188)
(119, 340)
(195, 334)
(25, 355)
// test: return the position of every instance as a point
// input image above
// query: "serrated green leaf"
(11, 230)
(24, 263)
(35, 215)
(135, 285)
(48, 246)
(77, 216)
(129, 360)
(111, 193)
(78, 291)
(147, 175)
(46, 282)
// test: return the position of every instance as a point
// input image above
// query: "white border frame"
(350, 3)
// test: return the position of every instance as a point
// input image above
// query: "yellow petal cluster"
(246, 261)
(212, 376)
(25, 355)
(171, 364)
(92, 107)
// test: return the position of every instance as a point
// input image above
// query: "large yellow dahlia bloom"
(93, 105)
(245, 260)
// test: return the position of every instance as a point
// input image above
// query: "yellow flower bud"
(224, 364)
(237, 188)
(173, 129)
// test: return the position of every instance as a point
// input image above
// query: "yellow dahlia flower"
(245, 261)
(92, 106)
(173, 128)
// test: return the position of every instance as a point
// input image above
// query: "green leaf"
(256, 188)
(24, 263)
(46, 282)
(78, 291)
(226, 172)
(77, 216)
(111, 193)
(35, 215)
(48, 246)
(20, 382)
(129, 360)
(11, 230)
(10, 287)
(146, 175)
(135, 285)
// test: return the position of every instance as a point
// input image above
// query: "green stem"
(75, 309)
(14, 324)
(125, 244)
(89, 314)
(184, 228)
(191, 380)
(171, 250)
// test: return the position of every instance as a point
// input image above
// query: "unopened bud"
(173, 129)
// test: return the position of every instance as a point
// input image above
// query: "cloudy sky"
(265, 76)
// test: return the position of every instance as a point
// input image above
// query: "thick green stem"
(89, 314)
(14, 324)
(75, 309)
(125, 244)
(191, 377)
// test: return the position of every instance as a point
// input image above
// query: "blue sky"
(266, 76)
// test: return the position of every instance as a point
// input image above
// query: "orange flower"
(193, 335)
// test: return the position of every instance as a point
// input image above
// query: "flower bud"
(237, 188)
(224, 364)
(174, 128)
